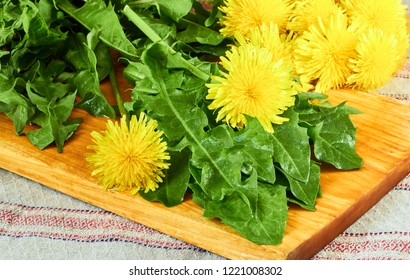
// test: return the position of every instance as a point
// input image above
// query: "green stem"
(154, 37)
(117, 93)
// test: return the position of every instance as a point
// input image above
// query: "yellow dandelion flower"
(129, 156)
(307, 12)
(388, 15)
(268, 36)
(242, 15)
(254, 85)
(280, 46)
(322, 53)
(376, 61)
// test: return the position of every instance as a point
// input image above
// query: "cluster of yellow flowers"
(258, 83)
(325, 44)
(353, 43)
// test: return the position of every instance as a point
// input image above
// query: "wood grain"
(383, 140)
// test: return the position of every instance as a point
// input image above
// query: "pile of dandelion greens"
(241, 169)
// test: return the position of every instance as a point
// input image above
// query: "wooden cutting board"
(383, 140)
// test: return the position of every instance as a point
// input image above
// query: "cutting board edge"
(345, 220)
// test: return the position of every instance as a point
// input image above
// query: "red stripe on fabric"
(23, 216)
(56, 222)
(318, 257)
(355, 234)
(398, 96)
(98, 238)
(64, 210)
(15, 218)
(358, 247)
(404, 184)
(81, 223)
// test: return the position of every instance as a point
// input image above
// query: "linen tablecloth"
(39, 223)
